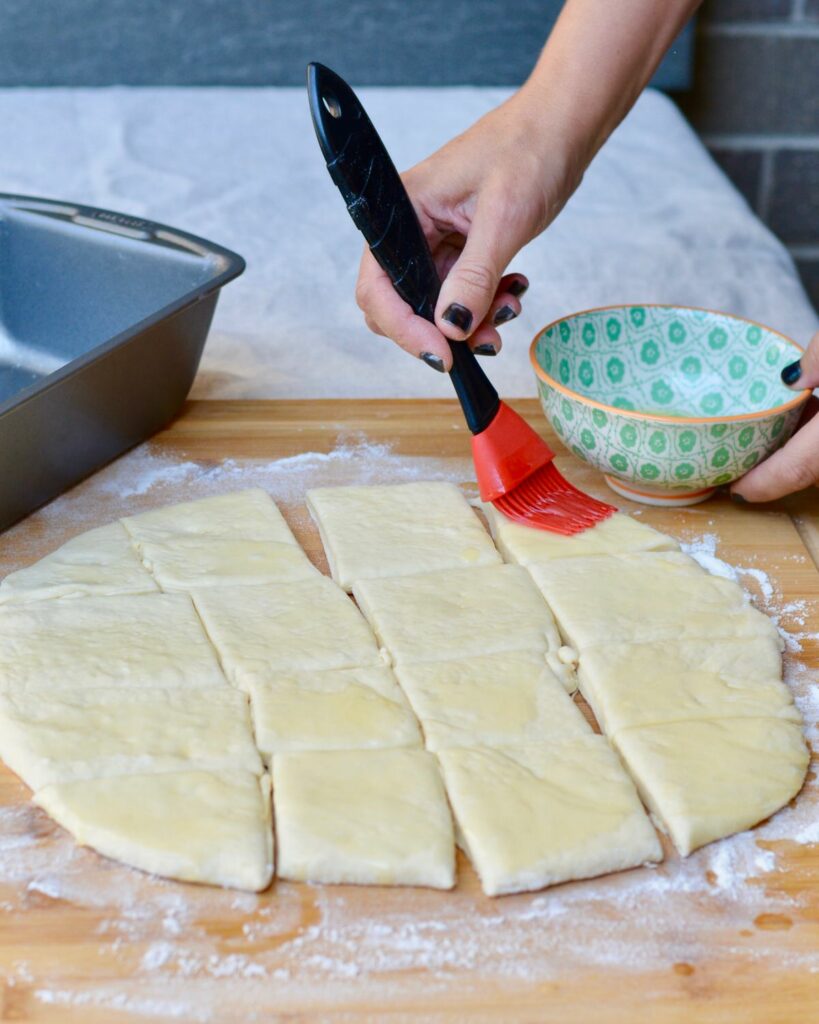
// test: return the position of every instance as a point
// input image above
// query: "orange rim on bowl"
(799, 398)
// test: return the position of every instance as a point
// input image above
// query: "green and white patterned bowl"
(669, 402)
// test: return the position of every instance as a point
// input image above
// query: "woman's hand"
(491, 190)
(479, 199)
(796, 464)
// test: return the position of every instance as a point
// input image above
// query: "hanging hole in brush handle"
(379, 205)
(331, 104)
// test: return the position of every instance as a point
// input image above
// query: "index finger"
(380, 302)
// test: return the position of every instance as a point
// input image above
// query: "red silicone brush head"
(548, 501)
(515, 472)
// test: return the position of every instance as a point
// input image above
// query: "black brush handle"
(380, 207)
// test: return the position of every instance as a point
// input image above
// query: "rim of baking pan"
(123, 225)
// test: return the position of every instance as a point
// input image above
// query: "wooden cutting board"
(731, 934)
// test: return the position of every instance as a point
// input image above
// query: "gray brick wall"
(755, 103)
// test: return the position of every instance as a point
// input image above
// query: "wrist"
(555, 139)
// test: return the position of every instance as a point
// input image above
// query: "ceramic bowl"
(669, 402)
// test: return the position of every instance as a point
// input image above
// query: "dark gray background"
(749, 83)
(268, 42)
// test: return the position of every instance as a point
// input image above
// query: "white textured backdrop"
(654, 221)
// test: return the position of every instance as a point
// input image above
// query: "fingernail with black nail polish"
(517, 288)
(792, 373)
(434, 361)
(485, 350)
(503, 315)
(457, 315)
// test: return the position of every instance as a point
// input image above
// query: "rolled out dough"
(338, 709)
(642, 597)
(373, 817)
(398, 530)
(102, 561)
(109, 731)
(457, 613)
(539, 815)
(195, 826)
(493, 700)
(121, 640)
(707, 779)
(268, 629)
(615, 535)
(115, 706)
(643, 684)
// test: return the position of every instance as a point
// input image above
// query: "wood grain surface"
(731, 934)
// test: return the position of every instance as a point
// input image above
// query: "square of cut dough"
(193, 826)
(493, 700)
(643, 597)
(618, 533)
(458, 613)
(250, 514)
(707, 779)
(47, 738)
(544, 814)
(185, 563)
(268, 629)
(102, 561)
(642, 684)
(339, 709)
(369, 817)
(124, 640)
(238, 538)
(398, 530)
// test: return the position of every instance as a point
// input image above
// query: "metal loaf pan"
(103, 318)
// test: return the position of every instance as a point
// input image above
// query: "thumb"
(805, 370)
(470, 286)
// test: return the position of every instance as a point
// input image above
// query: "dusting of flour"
(298, 944)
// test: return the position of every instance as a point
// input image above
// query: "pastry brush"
(514, 466)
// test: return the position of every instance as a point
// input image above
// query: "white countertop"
(654, 221)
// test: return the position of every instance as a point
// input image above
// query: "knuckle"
(475, 276)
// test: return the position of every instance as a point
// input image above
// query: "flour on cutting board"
(143, 479)
(355, 461)
(298, 941)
